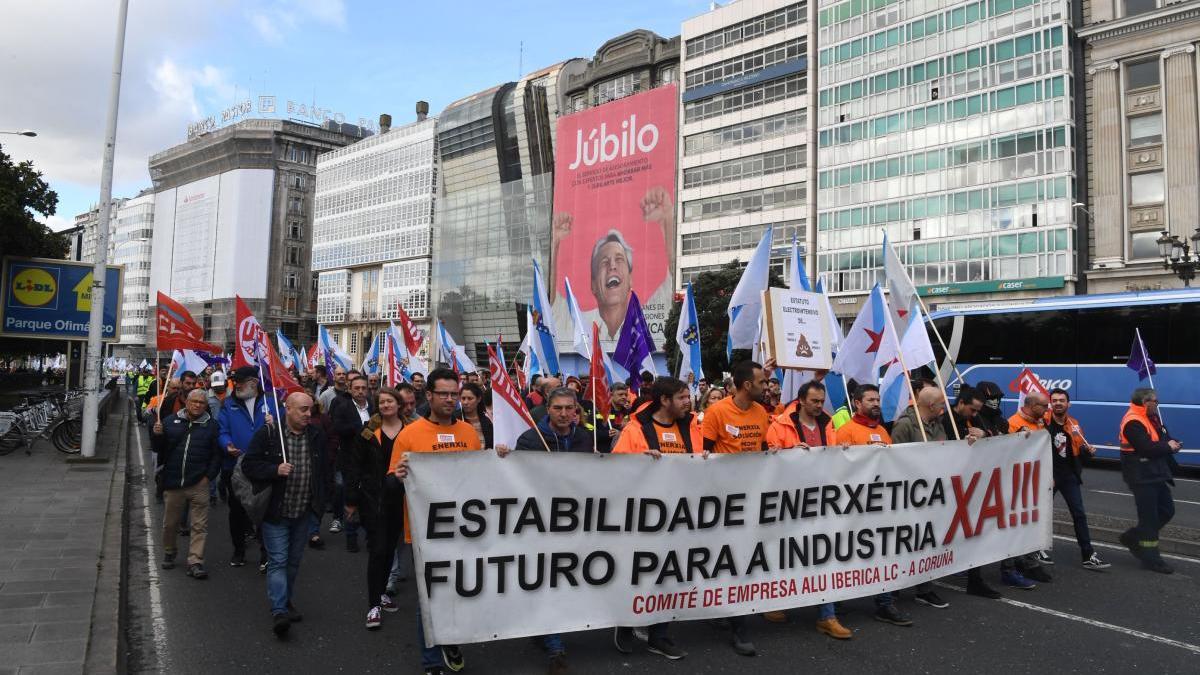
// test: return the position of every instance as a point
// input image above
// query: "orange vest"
(1136, 413)
(1018, 422)
(858, 434)
(1074, 433)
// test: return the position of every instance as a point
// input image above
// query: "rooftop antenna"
(521, 60)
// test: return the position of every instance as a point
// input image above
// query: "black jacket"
(1151, 461)
(187, 450)
(484, 423)
(578, 440)
(346, 422)
(262, 461)
(365, 470)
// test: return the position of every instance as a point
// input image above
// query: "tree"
(712, 291)
(22, 193)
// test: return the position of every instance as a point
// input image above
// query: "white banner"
(540, 542)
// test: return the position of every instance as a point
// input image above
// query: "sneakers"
(558, 665)
(665, 648)
(624, 640)
(387, 604)
(1039, 574)
(262, 566)
(352, 544)
(168, 560)
(197, 571)
(775, 617)
(335, 526)
(932, 600)
(1095, 563)
(316, 542)
(238, 559)
(981, 589)
(294, 614)
(1016, 580)
(374, 618)
(1043, 557)
(833, 628)
(435, 670)
(281, 625)
(743, 647)
(889, 614)
(453, 658)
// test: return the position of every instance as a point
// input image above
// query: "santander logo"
(602, 146)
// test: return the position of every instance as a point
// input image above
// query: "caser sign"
(606, 147)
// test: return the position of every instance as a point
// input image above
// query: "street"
(1113, 621)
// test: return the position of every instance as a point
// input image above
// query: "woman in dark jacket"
(471, 410)
(376, 498)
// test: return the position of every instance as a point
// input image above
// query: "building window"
(316, 279)
(1145, 130)
(298, 181)
(295, 205)
(293, 255)
(291, 281)
(668, 74)
(1135, 7)
(763, 24)
(1141, 74)
(1146, 188)
(1145, 246)
(289, 305)
(618, 87)
(353, 342)
(295, 230)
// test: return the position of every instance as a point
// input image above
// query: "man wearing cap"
(242, 414)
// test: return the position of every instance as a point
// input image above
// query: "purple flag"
(634, 344)
(1139, 359)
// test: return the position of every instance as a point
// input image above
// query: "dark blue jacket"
(237, 428)
(262, 461)
(578, 439)
(188, 450)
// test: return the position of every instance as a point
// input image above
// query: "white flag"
(745, 306)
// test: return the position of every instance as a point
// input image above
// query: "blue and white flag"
(187, 360)
(745, 305)
(287, 352)
(915, 351)
(799, 275)
(371, 364)
(856, 358)
(688, 338)
(581, 335)
(635, 344)
(542, 328)
(335, 356)
(452, 353)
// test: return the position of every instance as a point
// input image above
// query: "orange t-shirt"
(734, 429)
(425, 436)
(670, 439)
(1017, 423)
(858, 434)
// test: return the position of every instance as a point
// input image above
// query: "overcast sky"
(187, 60)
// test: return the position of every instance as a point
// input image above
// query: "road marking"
(158, 622)
(1091, 622)
(1122, 548)
(1126, 494)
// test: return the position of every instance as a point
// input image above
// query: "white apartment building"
(129, 244)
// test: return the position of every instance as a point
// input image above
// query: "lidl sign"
(53, 299)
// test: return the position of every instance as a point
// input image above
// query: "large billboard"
(212, 237)
(613, 230)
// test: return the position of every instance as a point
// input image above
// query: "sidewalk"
(60, 547)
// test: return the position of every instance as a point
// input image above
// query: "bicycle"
(57, 418)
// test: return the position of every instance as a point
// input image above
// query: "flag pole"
(908, 379)
(1146, 361)
(945, 394)
(592, 391)
(262, 383)
(162, 391)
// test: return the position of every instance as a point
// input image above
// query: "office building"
(744, 146)
(950, 126)
(1140, 61)
(233, 213)
(496, 154)
(371, 234)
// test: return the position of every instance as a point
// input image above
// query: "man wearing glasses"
(438, 432)
(1147, 458)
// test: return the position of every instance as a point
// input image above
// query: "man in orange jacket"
(1017, 572)
(1147, 460)
(865, 427)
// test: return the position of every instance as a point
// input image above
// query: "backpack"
(255, 496)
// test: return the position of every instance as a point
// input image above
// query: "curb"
(104, 636)
(1111, 528)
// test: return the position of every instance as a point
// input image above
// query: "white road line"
(1114, 547)
(1126, 494)
(159, 621)
(1091, 622)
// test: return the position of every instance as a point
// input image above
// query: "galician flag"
(688, 338)
(287, 352)
(542, 328)
(916, 351)
(856, 357)
(745, 305)
(903, 294)
(635, 344)
(333, 353)
(187, 360)
(510, 417)
(580, 337)
(371, 360)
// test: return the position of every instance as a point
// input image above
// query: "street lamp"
(1177, 255)
(24, 132)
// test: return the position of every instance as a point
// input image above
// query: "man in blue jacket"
(187, 446)
(558, 427)
(242, 414)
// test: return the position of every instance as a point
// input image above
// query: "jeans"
(402, 564)
(1155, 508)
(825, 611)
(285, 542)
(430, 656)
(1068, 484)
(239, 523)
(339, 506)
(884, 600)
(658, 631)
(553, 645)
(384, 529)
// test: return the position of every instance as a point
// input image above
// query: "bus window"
(992, 338)
(1183, 334)
(1050, 337)
(1107, 332)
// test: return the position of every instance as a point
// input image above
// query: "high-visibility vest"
(1136, 413)
(143, 385)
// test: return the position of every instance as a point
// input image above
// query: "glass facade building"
(496, 154)
(745, 135)
(372, 232)
(950, 126)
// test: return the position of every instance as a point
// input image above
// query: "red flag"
(279, 375)
(248, 331)
(1027, 382)
(412, 335)
(598, 389)
(178, 330)
(510, 417)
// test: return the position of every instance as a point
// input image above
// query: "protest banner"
(538, 543)
(795, 329)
